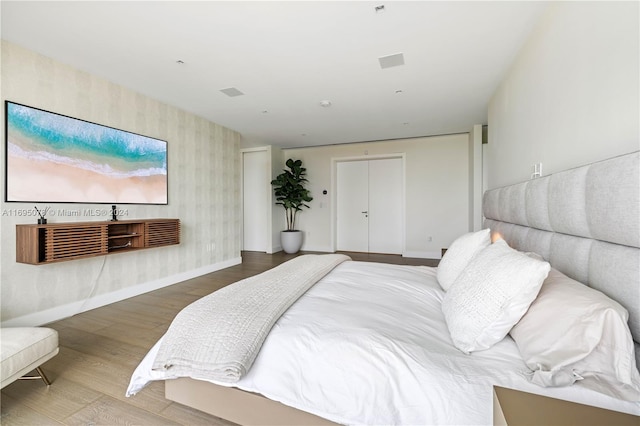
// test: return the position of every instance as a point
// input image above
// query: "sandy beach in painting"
(54, 158)
(52, 182)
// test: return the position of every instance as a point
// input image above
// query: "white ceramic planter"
(291, 241)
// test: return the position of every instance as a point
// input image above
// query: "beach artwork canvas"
(59, 159)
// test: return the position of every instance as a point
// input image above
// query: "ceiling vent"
(231, 92)
(389, 61)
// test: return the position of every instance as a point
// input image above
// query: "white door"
(352, 206)
(385, 206)
(370, 206)
(255, 191)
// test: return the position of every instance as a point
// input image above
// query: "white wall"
(572, 95)
(278, 220)
(204, 193)
(475, 178)
(437, 191)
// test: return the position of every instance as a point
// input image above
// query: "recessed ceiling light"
(389, 61)
(325, 104)
(231, 91)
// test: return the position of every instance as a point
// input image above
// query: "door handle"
(365, 212)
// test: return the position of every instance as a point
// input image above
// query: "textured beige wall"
(204, 193)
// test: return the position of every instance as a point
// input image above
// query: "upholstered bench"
(24, 349)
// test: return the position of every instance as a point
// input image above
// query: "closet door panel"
(386, 206)
(352, 206)
(255, 187)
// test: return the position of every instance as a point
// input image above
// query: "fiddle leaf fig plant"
(290, 191)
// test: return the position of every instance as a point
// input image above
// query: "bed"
(373, 343)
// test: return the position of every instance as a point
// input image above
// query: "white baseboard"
(423, 254)
(416, 254)
(304, 248)
(275, 249)
(70, 309)
(322, 249)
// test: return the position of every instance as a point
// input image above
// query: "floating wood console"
(57, 242)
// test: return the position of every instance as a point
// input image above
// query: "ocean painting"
(59, 159)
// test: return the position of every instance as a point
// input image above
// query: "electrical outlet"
(537, 171)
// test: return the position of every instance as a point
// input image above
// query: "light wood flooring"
(99, 349)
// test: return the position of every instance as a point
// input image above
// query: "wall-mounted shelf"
(58, 242)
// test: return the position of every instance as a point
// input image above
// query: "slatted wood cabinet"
(57, 242)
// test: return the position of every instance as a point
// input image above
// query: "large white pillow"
(491, 295)
(458, 255)
(573, 332)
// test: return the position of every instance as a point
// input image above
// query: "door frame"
(334, 191)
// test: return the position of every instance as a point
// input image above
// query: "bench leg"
(40, 375)
(43, 376)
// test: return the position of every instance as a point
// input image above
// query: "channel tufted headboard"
(584, 221)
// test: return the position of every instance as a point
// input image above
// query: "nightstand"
(515, 408)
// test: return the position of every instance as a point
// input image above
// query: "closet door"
(352, 205)
(255, 187)
(385, 206)
(370, 207)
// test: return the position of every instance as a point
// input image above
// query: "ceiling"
(288, 57)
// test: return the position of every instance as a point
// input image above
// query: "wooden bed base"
(235, 405)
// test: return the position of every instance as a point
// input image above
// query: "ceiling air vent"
(231, 92)
(389, 61)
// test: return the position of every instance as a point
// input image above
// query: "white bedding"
(368, 344)
(245, 312)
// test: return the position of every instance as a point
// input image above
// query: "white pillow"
(491, 295)
(573, 332)
(459, 254)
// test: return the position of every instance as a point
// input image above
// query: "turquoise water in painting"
(41, 135)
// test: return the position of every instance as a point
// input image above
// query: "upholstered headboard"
(584, 221)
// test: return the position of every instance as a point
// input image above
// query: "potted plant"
(292, 195)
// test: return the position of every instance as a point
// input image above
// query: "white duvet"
(368, 344)
(243, 315)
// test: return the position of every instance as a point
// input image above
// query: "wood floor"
(99, 350)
